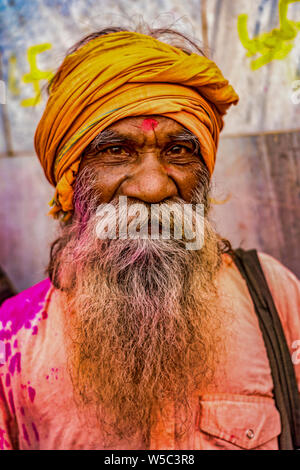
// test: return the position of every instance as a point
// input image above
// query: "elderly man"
(138, 342)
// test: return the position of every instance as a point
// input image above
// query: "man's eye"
(178, 150)
(115, 150)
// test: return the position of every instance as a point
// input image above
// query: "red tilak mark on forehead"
(149, 124)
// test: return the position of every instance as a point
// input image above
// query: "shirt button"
(250, 433)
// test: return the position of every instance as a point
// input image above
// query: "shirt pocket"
(238, 422)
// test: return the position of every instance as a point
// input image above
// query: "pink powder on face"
(149, 124)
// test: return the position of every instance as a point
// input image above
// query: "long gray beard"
(143, 325)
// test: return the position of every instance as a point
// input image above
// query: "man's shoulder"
(22, 307)
(278, 274)
(285, 290)
(284, 287)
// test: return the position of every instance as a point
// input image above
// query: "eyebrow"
(108, 136)
(186, 135)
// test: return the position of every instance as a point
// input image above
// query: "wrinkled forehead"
(140, 127)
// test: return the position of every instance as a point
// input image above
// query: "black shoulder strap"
(286, 393)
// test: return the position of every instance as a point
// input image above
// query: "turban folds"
(119, 75)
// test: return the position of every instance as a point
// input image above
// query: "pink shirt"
(37, 409)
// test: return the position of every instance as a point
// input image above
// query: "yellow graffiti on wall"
(275, 44)
(36, 75)
(12, 76)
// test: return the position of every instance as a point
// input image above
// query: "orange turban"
(120, 75)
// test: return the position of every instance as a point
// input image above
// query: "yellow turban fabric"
(120, 75)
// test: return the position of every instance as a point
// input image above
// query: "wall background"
(258, 166)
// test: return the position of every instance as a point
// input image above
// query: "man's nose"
(150, 182)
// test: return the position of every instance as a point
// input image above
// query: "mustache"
(87, 196)
(171, 219)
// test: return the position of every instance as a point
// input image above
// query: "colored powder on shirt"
(3, 441)
(7, 351)
(31, 393)
(15, 363)
(34, 330)
(22, 308)
(11, 402)
(25, 434)
(37, 437)
(7, 380)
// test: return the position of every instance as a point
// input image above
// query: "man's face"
(148, 158)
